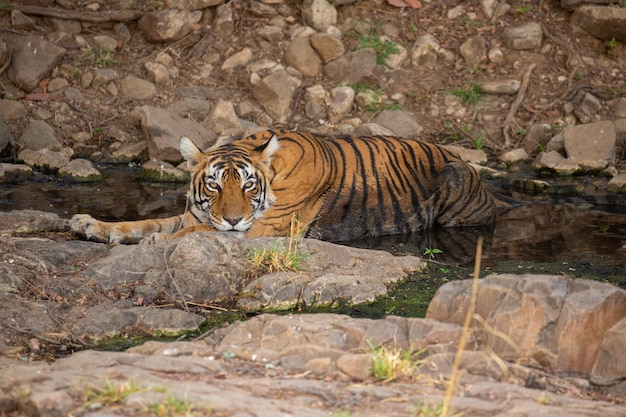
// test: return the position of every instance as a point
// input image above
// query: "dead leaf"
(414, 4)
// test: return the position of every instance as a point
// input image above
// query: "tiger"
(342, 188)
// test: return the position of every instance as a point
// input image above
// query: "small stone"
(159, 171)
(137, 88)
(80, 170)
(239, 59)
(526, 36)
(510, 86)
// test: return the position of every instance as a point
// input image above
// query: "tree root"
(84, 16)
(510, 117)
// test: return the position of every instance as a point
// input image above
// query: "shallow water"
(536, 233)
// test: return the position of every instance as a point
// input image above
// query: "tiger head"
(230, 184)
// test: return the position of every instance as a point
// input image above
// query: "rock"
(131, 152)
(223, 120)
(358, 67)
(514, 156)
(100, 77)
(510, 86)
(604, 23)
(341, 102)
(371, 129)
(475, 156)
(542, 315)
(526, 36)
(224, 23)
(11, 173)
(238, 59)
(610, 367)
(39, 135)
(617, 184)
(159, 171)
(6, 138)
(300, 55)
(319, 14)
(315, 97)
(137, 88)
(163, 129)
(33, 58)
(328, 46)
(105, 43)
(80, 170)
(555, 163)
(196, 108)
(587, 108)
(474, 51)
(425, 51)
(158, 73)
(275, 93)
(11, 109)
(20, 21)
(194, 4)
(165, 25)
(536, 138)
(45, 159)
(400, 122)
(592, 146)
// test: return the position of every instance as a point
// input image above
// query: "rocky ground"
(87, 82)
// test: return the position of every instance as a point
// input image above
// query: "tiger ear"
(268, 149)
(189, 151)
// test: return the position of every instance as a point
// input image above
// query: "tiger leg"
(125, 232)
(461, 198)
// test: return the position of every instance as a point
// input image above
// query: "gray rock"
(271, 34)
(131, 152)
(101, 76)
(105, 43)
(315, 97)
(536, 138)
(163, 129)
(275, 93)
(158, 73)
(617, 184)
(80, 170)
(39, 135)
(196, 108)
(33, 58)
(319, 14)
(20, 21)
(165, 25)
(475, 156)
(587, 108)
(300, 55)
(328, 46)
(159, 171)
(560, 307)
(6, 138)
(474, 51)
(604, 23)
(514, 156)
(358, 67)
(12, 109)
(137, 88)
(400, 122)
(238, 59)
(592, 146)
(556, 163)
(526, 36)
(10, 173)
(223, 120)
(510, 86)
(194, 4)
(224, 22)
(45, 159)
(341, 102)
(371, 129)
(426, 51)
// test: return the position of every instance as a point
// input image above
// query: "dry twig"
(510, 117)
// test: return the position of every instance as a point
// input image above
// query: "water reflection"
(535, 233)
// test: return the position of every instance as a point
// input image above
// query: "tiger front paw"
(153, 239)
(91, 229)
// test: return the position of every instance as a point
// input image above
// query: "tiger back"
(343, 188)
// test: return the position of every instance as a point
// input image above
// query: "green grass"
(281, 258)
(383, 48)
(389, 364)
(470, 94)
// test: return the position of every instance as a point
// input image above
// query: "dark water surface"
(580, 235)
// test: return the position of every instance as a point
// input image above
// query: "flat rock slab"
(211, 381)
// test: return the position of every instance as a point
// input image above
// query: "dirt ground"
(550, 85)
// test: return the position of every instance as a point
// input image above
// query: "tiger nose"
(233, 220)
